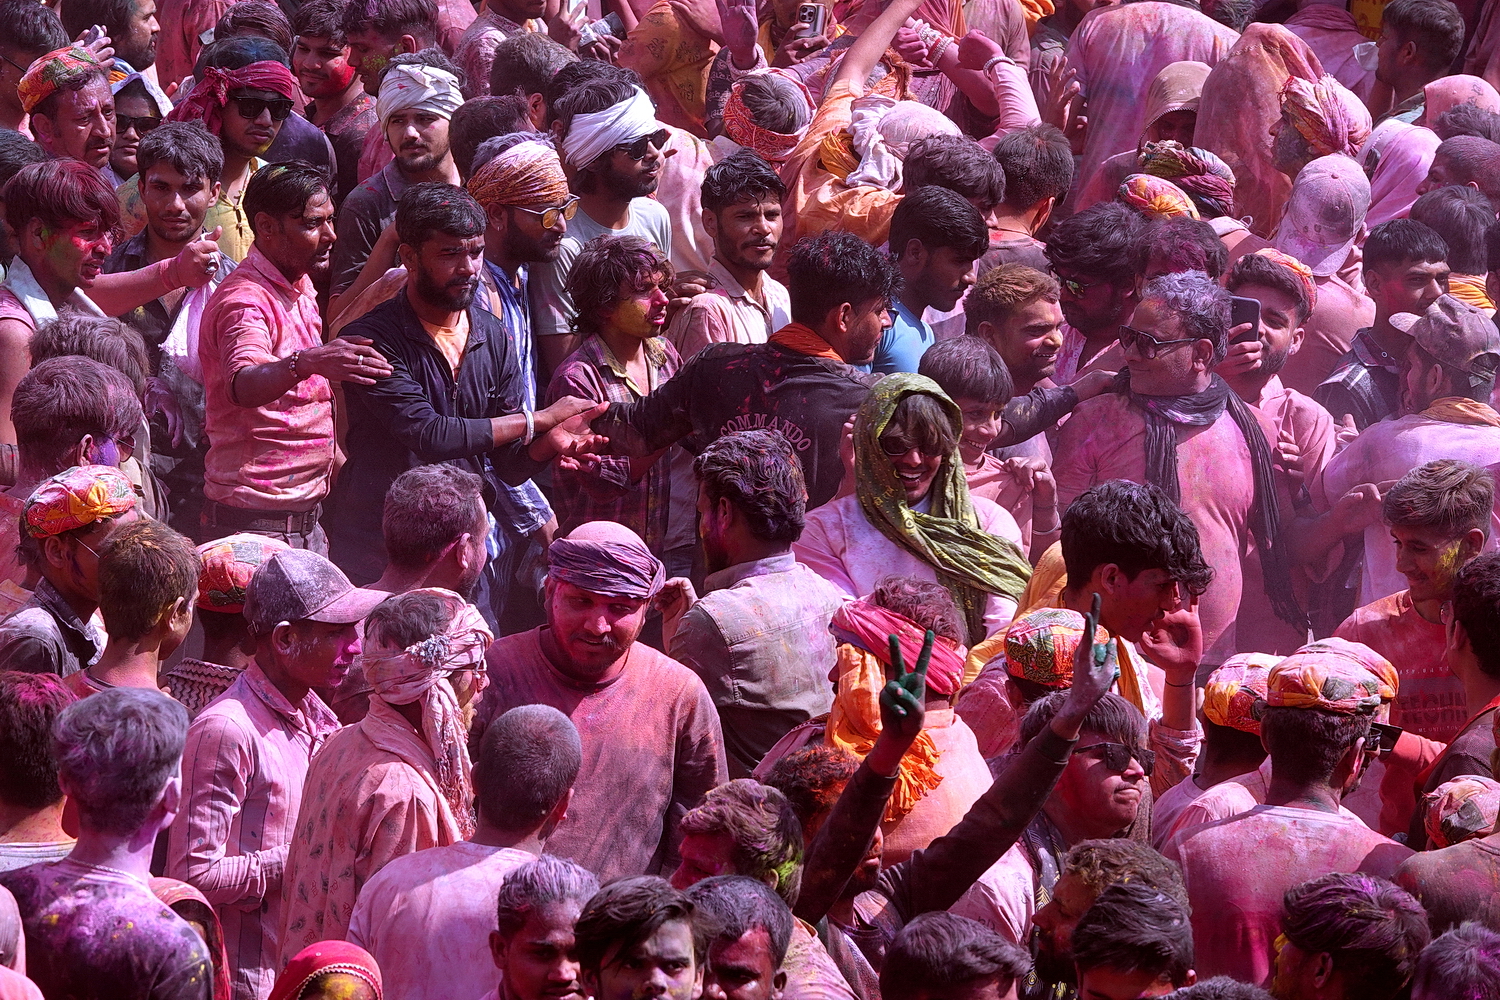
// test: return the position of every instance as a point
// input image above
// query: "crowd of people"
(723, 500)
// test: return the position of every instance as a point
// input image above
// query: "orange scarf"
(1469, 290)
(1457, 410)
(804, 340)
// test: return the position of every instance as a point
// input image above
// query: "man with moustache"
(267, 375)
(66, 93)
(418, 95)
(741, 201)
(456, 391)
(652, 745)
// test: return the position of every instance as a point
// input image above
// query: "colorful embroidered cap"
(77, 497)
(1461, 809)
(1039, 647)
(228, 565)
(1233, 692)
(1330, 675)
(56, 69)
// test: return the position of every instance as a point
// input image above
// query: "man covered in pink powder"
(652, 745)
(1316, 725)
(1181, 428)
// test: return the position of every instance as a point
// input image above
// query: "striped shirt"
(244, 765)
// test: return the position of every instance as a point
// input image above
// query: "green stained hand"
(902, 699)
(1095, 665)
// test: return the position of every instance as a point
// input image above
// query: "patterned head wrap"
(319, 960)
(1158, 196)
(1233, 692)
(1330, 675)
(1326, 114)
(206, 101)
(228, 565)
(527, 174)
(413, 675)
(77, 497)
(592, 135)
(1039, 647)
(1462, 809)
(882, 130)
(870, 627)
(739, 126)
(603, 557)
(412, 85)
(1302, 271)
(1197, 171)
(54, 70)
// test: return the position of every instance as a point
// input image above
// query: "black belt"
(280, 522)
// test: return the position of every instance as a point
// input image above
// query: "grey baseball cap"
(1455, 333)
(298, 585)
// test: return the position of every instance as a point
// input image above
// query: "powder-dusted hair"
(59, 193)
(29, 707)
(760, 822)
(625, 913)
(527, 761)
(759, 474)
(540, 883)
(736, 905)
(62, 399)
(426, 509)
(1448, 494)
(1373, 930)
(144, 569)
(941, 949)
(116, 750)
(1003, 290)
(929, 605)
(812, 779)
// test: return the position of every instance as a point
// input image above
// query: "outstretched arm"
(859, 62)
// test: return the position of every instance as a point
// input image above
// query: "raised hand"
(1095, 670)
(1174, 642)
(976, 48)
(902, 708)
(197, 262)
(741, 24)
(1242, 357)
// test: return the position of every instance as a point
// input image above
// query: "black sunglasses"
(1147, 344)
(637, 150)
(251, 107)
(124, 123)
(1117, 756)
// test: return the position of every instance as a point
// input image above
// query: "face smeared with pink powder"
(641, 311)
(76, 252)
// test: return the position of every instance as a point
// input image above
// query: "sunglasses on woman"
(637, 150)
(1117, 756)
(142, 125)
(251, 107)
(1148, 346)
(550, 216)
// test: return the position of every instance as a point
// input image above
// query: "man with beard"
(611, 147)
(1096, 257)
(455, 391)
(759, 637)
(267, 375)
(741, 200)
(418, 95)
(130, 24)
(652, 745)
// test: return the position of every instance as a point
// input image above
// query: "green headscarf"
(970, 562)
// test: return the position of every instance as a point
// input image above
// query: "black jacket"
(419, 416)
(739, 387)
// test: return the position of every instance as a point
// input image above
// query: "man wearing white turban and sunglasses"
(612, 151)
(418, 94)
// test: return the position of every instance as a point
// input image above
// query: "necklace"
(113, 871)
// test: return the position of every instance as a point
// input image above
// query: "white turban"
(411, 85)
(883, 129)
(591, 136)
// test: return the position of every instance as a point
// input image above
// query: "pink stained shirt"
(371, 796)
(1329, 30)
(728, 314)
(652, 747)
(810, 972)
(14, 986)
(1389, 450)
(1070, 366)
(1117, 51)
(1105, 439)
(1165, 810)
(841, 545)
(245, 762)
(1430, 701)
(427, 918)
(1341, 311)
(278, 456)
(1237, 871)
(1004, 897)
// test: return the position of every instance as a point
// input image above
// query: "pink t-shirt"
(1238, 870)
(965, 778)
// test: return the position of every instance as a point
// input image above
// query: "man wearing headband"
(418, 95)
(376, 31)
(652, 745)
(611, 148)
(66, 93)
(1319, 704)
(244, 97)
(399, 780)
